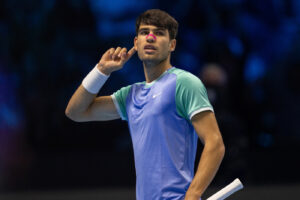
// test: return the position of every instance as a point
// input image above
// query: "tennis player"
(166, 113)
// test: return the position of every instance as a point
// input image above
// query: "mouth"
(150, 48)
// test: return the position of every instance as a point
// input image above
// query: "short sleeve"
(119, 98)
(191, 96)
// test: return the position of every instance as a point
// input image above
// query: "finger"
(111, 52)
(122, 52)
(116, 53)
(130, 53)
(106, 55)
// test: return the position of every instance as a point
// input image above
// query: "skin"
(158, 61)
(84, 106)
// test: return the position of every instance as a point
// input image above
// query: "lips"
(150, 47)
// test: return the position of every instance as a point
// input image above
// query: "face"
(153, 44)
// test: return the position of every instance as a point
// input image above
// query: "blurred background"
(246, 52)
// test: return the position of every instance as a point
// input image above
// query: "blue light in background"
(255, 69)
(188, 61)
(236, 46)
(116, 18)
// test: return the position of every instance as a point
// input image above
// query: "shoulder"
(128, 87)
(186, 79)
(138, 84)
(124, 89)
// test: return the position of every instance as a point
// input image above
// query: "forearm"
(85, 94)
(210, 161)
(79, 103)
(84, 106)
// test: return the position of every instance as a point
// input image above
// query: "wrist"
(192, 196)
(102, 70)
(94, 81)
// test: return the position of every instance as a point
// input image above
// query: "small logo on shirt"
(155, 95)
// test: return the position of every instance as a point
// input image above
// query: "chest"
(153, 101)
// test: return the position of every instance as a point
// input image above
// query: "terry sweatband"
(94, 80)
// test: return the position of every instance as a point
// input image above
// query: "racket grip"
(227, 191)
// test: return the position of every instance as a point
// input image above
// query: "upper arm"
(206, 127)
(84, 106)
(191, 96)
(101, 109)
(110, 107)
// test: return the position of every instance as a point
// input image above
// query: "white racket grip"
(228, 190)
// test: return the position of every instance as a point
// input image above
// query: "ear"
(172, 45)
(135, 43)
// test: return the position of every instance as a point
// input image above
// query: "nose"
(151, 37)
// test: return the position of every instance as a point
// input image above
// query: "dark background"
(246, 52)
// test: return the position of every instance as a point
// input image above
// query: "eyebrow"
(155, 29)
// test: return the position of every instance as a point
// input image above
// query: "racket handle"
(233, 187)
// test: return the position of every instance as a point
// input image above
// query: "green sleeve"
(119, 98)
(191, 96)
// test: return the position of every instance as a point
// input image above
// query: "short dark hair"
(159, 18)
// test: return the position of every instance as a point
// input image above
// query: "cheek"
(167, 47)
(138, 45)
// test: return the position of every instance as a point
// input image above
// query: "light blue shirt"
(164, 140)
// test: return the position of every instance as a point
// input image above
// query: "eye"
(144, 32)
(159, 33)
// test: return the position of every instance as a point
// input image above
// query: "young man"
(166, 114)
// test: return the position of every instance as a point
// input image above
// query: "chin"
(151, 58)
(148, 58)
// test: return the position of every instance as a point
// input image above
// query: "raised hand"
(114, 59)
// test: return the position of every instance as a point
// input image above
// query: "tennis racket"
(233, 187)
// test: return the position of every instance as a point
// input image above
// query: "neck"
(154, 70)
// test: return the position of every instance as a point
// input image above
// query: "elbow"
(220, 147)
(71, 115)
(216, 146)
(222, 150)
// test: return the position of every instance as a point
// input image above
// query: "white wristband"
(94, 81)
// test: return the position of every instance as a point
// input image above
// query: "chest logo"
(156, 95)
